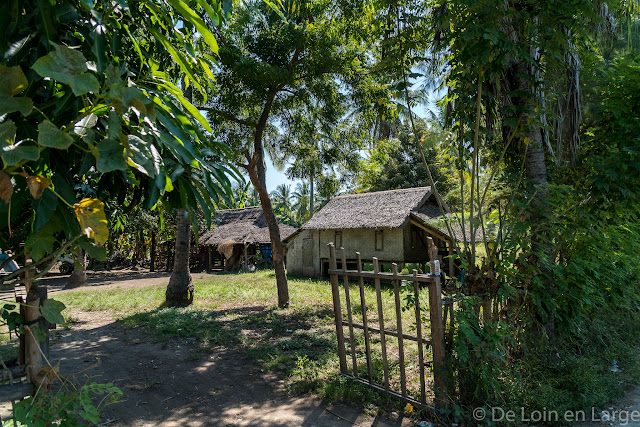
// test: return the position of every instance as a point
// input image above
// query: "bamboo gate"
(435, 340)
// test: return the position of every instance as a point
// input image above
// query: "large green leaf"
(21, 103)
(7, 132)
(12, 81)
(52, 311)
(41, 243)
(85, 83)
(67, 66)
(14, 154)
(93, 250)
(193, 17)
(50, 136)
(111, 156)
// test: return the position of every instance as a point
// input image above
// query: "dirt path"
(163, 386)
(623, 413)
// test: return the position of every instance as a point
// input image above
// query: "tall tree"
(272, 63)
(180, 288)
(315, 147)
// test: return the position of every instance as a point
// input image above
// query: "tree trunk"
(152, 255)
(180, 288)
(536, 173)
(257, 174)
(311, 197)
(79, 275)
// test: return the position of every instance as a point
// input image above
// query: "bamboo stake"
(352, 339)
(396, 291)
(337, 310)
(416, 290)
(383, 340)
(365, 321)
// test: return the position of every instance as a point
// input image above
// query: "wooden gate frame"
(436, 321)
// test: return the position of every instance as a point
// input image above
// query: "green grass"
(241, 310)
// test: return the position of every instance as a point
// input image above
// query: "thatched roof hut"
(246, 226)
(381, 209)
(391, 226)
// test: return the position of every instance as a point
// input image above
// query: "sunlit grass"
(241, 310)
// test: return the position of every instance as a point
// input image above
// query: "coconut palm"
(301, 201)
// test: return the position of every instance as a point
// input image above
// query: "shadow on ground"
(163, 384)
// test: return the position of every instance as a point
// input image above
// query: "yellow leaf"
(37, 185)
(93, 221)
(408, 409)
(526, 140)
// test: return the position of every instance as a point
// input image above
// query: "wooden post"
(383, 339)
(352, 337)
(337, 310)
(152, 255)
(416, 291)
(35, 298)
(486, 310)
(365, 320)
(452, 270)
(209, 263)
(396, 291)
(437, 333)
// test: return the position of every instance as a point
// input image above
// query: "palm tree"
(180, 288)
(281, 197)
(301, 204)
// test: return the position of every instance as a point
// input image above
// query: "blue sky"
(275, 178)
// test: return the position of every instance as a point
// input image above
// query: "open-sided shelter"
(389, 225)
(245, 232)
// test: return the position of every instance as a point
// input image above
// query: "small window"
(379, 240)
(338, 239)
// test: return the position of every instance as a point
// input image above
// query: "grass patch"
(299, 342)
(241, 310)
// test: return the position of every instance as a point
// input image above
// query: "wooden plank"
(365, 320)
(388, 332)
(396, 292)
(383, 340)
(337, 310)
(416, 293)
(352, 337)
(437, 344)
(422, 278)
(17, 372)
(11, 392)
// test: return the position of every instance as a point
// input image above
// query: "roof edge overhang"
(419, 222)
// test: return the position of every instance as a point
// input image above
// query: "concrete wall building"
(389, 225)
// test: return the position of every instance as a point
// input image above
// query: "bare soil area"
(163, 386)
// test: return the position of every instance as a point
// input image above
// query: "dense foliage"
(92, 110)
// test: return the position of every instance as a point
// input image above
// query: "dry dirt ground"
(162, 387)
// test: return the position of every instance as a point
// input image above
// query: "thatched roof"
(437, 222)
(381, 209)
(245, 225)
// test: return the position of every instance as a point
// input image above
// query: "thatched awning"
(437, 223)
(245, 225)
(382, 209)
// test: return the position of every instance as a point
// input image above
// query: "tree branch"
(229, 116)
